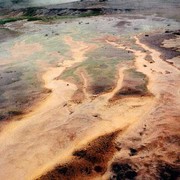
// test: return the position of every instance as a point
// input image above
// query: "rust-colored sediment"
(60, 144)
(86, 162)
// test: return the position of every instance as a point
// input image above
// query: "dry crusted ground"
(128, 132)
(145, 149)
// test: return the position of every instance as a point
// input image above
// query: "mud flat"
(129, 158)
(112, 99)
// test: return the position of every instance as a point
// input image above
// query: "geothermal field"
(90, 90)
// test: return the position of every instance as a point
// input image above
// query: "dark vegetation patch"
(87, 162)
(134, 84)
(156, 40)
(19, 18)
(48, 15)
(31, 11)
(73, 12)
(12, 19)
(61, 11)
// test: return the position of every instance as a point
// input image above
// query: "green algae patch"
(101, 68)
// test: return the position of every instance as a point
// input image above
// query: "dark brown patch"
(6, 34)
(87, 162)
(123, 23)
(78, 96)
(126, 91)
(149, 58)
(100, 89)
(134, 84)
(168, 172)
(122, 171)
(133, 152)
(98, 169)
(155, 41)
(129, 92)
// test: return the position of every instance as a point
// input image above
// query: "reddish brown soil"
(97, 90)
(78, 96)
(155, 41)
(87, 162)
